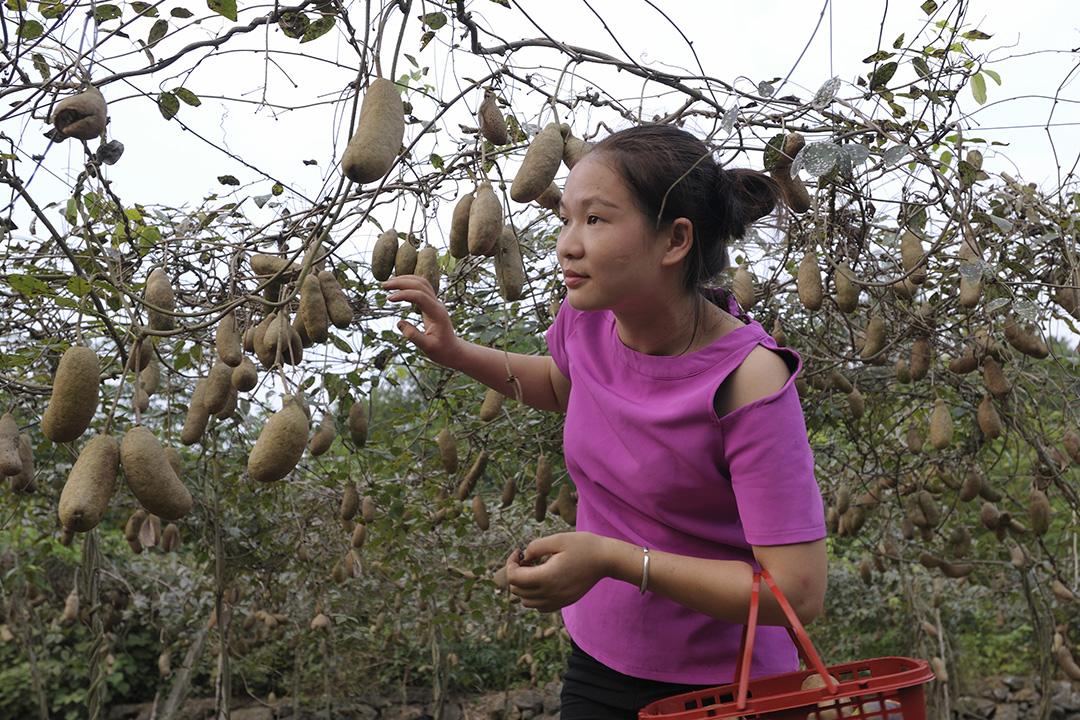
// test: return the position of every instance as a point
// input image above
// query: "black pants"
(593, 691)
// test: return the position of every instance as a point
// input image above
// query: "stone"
(528, 700)
(1006, 711)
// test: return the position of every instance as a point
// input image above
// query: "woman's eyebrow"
(591, 200)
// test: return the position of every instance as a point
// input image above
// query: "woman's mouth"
(572, 279)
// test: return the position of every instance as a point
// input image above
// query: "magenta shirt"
(654, 466)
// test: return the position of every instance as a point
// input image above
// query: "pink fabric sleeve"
(772, 470)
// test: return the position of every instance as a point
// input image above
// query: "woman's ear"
(679, 239)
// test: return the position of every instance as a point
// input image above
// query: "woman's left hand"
(575, 562)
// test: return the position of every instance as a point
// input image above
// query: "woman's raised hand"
(437, 340)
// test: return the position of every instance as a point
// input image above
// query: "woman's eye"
(562, 220)
(592, 219)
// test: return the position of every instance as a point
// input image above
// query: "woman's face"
(609, 251)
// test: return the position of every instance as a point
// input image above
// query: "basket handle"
(796, 630)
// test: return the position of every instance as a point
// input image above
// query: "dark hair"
(672, 174)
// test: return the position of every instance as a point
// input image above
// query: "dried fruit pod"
(71, 608)
(912, 257)
(320, 623)
(134, 523)
(1024, 339)
(375, 145)
(920, 357)
(265, 266)
(574, 148)
(264, 348)
(150, 531)
(856, 403)
(994, 378)
(218, 383)
(160, 300)
(509, 270)
(197, 415)
(427, 266)
(492, 405)
(359, 535)
(964, 363)
(940, 673)
(929, 507)
(227, 340)
(1071, 441)
(847, 290)
(476, 471)
(367, 509)
(313, 312)
(543, 475)
(972, 486)
(913, 439)
(960, 541)
(480, 513)
(1067, 294)
(324, 436)
(384, 255)
(1039, 512)
(448, 450)
(25, 481)
(485, 221)
(492, 122)
(988, 418)
(405, 258)
(509, 492)
(550, 198)
(990, 516)
(874, 341)
(10, 461)
(80, 116)
(150, 475)
(350, 503)
(838, 381)
(540, 506)
(941, 426)
(244, 376)
(74, 395)
(902, 371)
(539, 166)
(170, 538)
(795, 194)
(1061, 591)
(808, 282)
(358, 422)
(90, 484)
(280, 444)
(743, 287)
(459, 227)
(1064, 658)
(567, 504)
(150, 377)
(230, 404)
(141, 352)
(338, 308)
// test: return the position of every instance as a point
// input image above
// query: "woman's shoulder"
(763, 372)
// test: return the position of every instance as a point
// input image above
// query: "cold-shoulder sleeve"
(771, 466)
(559, 334)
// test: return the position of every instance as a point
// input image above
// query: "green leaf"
(51, 9)
(168, 105)
(878, 56)
(187, 96)
(146, 9)
(976, 35)
(71, 211)
(993, 75)
(16, 5)
(41, 66)
(31, 30)
(228, 180)
(921, 68)
(104, 13)
(27, 285)
(224, 8)
(504, 3)
(898, 42)
(426, 38)
(182, 13)
(78, 286)
(929, 7)
(293, 24)
(434, 20)
(277, 189)
(436, 161)
(318, 28)
(157, 31)
(978, 88)
(882, 75)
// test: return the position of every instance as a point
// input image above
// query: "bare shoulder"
(762, 373)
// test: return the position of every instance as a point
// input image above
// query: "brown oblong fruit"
(1039, 512)
(459, 227)
(492, 122)
(567, 504)
(875, 337)
(324, 436)
(920, 357)
(280, 444)
(941, 428)
(1024, 339)
(485, 221)
(988, 418)
(474, 474)
(90, 484)
(550, 198)
(74, 395)
(359, 535)
(197, 415)
(574, 148)
(375, 145)
(265, 265)
(358, 422)
(911, 257)
(509, 491)
(80, 116)
(367, 509)
(743, 287)
(150, 376)
(313, 311)
(160, 299)
(480, 513)
(493, 402)
(539, 166)
(227, 340)
(218, 384)
(808, 281)
(258, 340)
(1071, 441)
(141, 353)
(245, 376)
(795, 194)
(509, 271)
(10, 461)
(150, 475)
(350, 502)
(856, 403)
(543, 475)
(24, 481)
(994, 378)
(338, 307)
(847, 290)
(427, 266)
(384, 254)
(405, 258)
(170, 538)
(448, 450)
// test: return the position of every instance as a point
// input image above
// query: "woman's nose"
(566, 245)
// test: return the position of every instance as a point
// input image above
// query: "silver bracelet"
(644, 570)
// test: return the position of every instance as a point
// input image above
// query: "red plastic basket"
(889, 688)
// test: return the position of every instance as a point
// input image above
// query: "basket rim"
(918, 673)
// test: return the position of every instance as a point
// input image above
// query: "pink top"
(654, 466)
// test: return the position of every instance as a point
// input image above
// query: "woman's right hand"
(437, 340)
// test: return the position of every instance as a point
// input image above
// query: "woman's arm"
(720, 588)
(539, 381)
